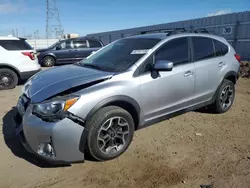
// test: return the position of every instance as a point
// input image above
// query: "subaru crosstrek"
(95, 105)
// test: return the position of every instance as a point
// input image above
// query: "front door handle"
(188, 74)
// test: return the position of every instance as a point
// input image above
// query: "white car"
(18, 61)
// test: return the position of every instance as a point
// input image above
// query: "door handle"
(221, 64)
(188, 74)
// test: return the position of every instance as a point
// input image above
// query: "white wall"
(41, 43)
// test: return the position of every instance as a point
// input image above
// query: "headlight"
(55, 108)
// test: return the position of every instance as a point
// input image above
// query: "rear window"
(94, 44)
(15, 45)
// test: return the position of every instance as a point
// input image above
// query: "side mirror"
(163, 65)
(58, 47)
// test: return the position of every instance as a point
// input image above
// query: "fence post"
(235, 37)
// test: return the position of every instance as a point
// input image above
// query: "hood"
(42, 49)
(53, 81)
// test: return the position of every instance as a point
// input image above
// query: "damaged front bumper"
(62, 141)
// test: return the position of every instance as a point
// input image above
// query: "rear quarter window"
(12, 45)
(94, 44)
(220, 48)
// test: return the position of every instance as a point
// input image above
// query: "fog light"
(46, 149)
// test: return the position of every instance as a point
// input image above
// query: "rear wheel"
(8, 79)
(225, 97)
(111, 131)
(48, 61)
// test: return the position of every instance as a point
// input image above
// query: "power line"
(53, 22)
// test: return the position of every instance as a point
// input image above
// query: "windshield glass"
(55, 44)
(120, 55)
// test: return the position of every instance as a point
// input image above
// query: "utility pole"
(53, 22)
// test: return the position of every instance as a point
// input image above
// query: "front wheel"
(111, 131)
(225, 97)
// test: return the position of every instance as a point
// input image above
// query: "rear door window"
(203, 48)
(80, 44)
(94, 44)
(13, 45)
(220, 48)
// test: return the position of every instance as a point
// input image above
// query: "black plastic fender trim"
(117, 98)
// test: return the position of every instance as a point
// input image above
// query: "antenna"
(53, 23)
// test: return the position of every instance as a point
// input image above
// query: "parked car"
(68, 51)
(96, 105)
(18, 61)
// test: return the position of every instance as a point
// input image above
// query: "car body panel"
(61, 79)
(186, 86)
(68, 55)
(15, 59)
(66, 131)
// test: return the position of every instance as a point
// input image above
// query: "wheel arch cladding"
(5, 66)
(125, 102)
(49, 55)
(232, 76)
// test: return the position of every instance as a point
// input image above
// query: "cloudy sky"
(90, 16)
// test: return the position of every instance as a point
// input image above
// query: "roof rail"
(162, 31)
(176, 31)
(200, 30)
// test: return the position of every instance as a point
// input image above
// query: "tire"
(49, 61)
(8, 79)
(94, 125)
(218, 107)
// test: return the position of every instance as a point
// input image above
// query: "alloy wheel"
(226, 98)
(113, 135)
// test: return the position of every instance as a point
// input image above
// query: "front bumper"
(66, 137)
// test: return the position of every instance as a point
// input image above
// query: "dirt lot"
(169, 154)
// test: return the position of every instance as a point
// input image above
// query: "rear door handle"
(188, 74)
(221, 64)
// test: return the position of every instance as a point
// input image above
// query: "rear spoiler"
(21, 38)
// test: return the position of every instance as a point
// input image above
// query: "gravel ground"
(186, 151)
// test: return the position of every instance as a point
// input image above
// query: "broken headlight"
(54, 108)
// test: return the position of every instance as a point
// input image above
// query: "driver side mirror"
(58, 47)
(163, 65)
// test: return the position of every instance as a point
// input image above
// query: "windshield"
(55, 44)
(120, 55)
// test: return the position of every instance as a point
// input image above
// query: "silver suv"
(95, 105)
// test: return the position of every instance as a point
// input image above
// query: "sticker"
(140, 51)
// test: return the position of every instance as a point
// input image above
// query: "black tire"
(8, 79)
(49, 61)
(94, 126)
(217, 107)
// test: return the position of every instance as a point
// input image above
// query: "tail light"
(29, 54)
(237, 57)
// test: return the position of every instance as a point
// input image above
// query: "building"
(235, 27)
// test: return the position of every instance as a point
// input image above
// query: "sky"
(93, 16)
